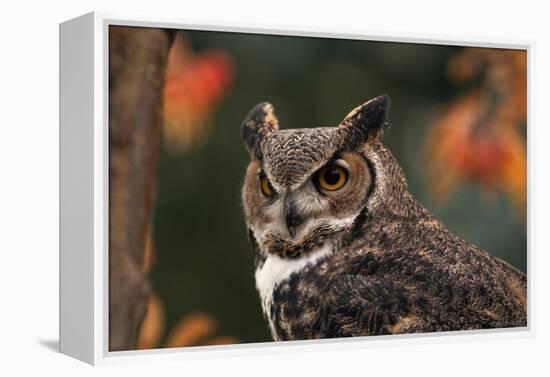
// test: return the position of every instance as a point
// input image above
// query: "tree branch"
(137, 64)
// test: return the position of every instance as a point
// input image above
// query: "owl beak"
(292, 219)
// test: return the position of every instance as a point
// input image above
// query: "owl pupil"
(332, 176)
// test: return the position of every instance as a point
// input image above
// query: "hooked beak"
(292, 219)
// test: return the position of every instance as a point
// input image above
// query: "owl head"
(304, 187)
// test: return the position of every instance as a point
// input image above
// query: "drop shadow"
(52, 345)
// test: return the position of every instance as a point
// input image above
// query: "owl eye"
(265, 186)
(331, 178)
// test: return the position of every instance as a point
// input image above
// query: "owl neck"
(391, 197)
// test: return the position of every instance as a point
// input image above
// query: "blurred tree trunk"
(137, 64)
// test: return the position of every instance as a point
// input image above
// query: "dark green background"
(203, 261)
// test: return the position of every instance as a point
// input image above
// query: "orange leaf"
(152, 328)
(195, 83)
(191, 330)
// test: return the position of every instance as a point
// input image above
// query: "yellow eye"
(332, 178)
(267, 190)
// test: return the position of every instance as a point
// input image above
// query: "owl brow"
(261, 173)
(335, 157)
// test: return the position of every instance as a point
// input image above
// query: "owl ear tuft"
(365, 122)
(259, 122)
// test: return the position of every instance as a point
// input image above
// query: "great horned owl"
(342, 248)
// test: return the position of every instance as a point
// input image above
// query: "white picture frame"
(84, 193)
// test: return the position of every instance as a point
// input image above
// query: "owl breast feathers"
(342, 248)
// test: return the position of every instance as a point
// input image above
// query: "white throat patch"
(275, 270)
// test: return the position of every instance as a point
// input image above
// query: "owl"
(342, 248)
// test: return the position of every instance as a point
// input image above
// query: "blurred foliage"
(203, 262)
(195, 83)
(480, 137)
(193, 329)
